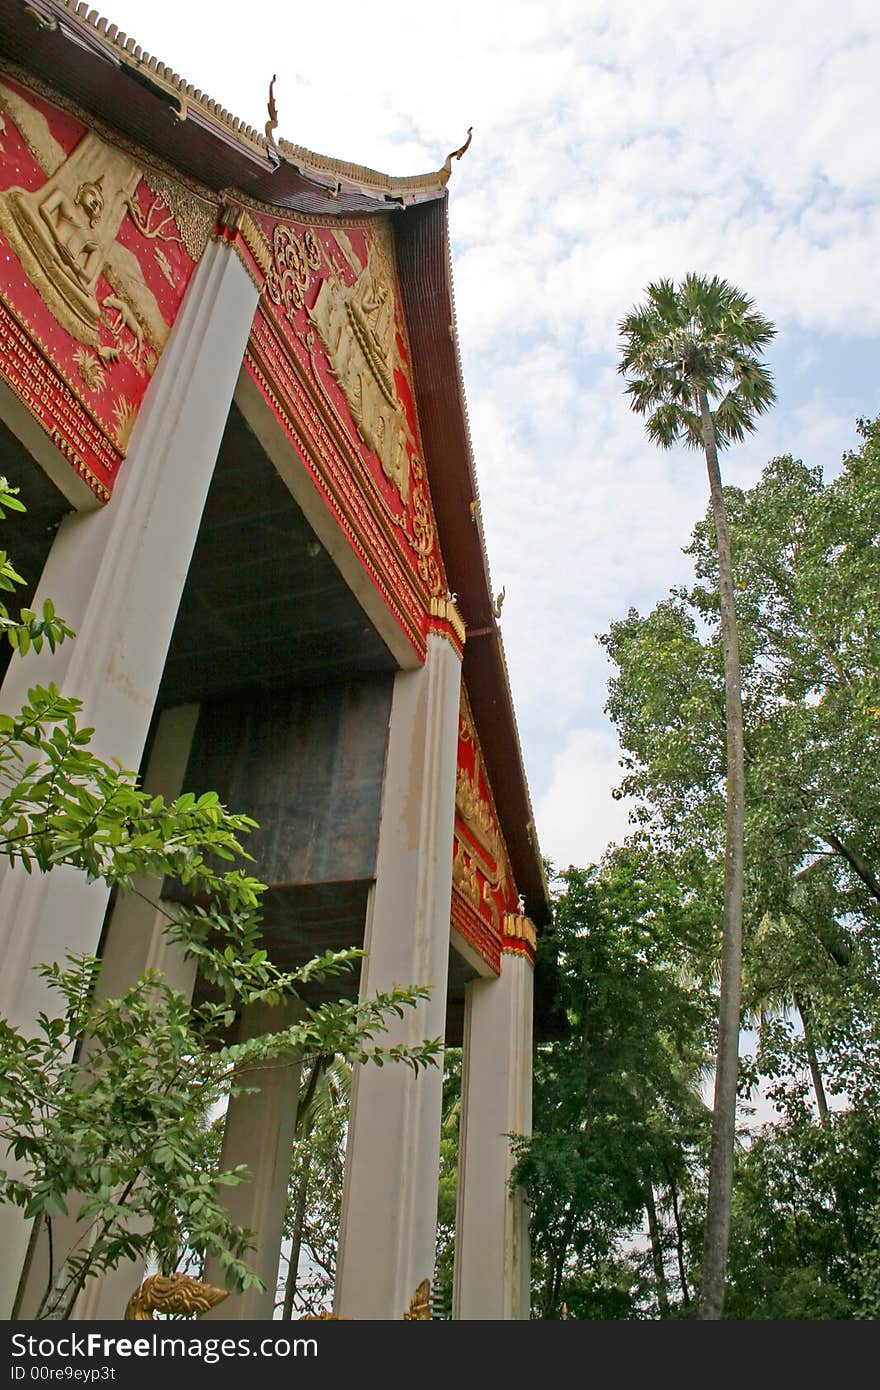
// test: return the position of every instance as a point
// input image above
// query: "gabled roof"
(106, 73)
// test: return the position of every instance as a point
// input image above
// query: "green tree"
(691, 357)
(806, 554)
(802, 1239)
(314, 1201)
(618, 1121)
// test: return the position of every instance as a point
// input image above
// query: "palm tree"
(691, 359)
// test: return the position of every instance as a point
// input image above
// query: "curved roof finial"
(272, 123)
(455, 154)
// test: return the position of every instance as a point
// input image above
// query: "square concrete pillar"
(389, 1211)
(117, 576)
(492, 1274)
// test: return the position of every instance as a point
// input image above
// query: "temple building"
(231, 395)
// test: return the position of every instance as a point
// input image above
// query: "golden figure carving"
(179, 1294)
(476, 814)
(64, 234)
(464, 875)
(356, 326)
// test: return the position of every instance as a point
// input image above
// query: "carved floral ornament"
(354, 317)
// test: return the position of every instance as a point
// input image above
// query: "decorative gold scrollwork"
(295, 258)
(424, 538)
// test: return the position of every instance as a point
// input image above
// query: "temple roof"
(105, 72)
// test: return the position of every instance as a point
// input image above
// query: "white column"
(259, 1132)
(135, 941)
(117, 576)
(491, 1230)
(389, 1209)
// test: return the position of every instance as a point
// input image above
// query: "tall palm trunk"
(717, 1232)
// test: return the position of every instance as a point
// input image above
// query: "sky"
(613, 144)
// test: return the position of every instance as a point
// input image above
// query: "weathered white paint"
(389, 1212)
(491, 1233)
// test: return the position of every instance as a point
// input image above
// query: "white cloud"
(577, 814)
(614, 143)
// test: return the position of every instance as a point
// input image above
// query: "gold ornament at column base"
(179, 1294)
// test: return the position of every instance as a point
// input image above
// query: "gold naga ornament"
(179, 1295)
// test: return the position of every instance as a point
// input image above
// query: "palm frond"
(703, 335)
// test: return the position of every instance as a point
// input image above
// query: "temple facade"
(230, 393)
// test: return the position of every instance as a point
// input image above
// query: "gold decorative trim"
(446, 611)
(188, 97)
(520, 928)
(255, 242)
(377, 421)
(131, 55)
(233, 223)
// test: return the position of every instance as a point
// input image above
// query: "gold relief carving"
(445, 609)
(295, 258)
(356, 326)
(464, 875)
(178, 1294)
(478, 819)
(255, 242)
(91, 372)
(520, 928)
(479, 844)
(64, 234)
(423, 535)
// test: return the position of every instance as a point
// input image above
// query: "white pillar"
(135, 941)
(117, 576)
(491, 1230)
(389, 1209)
(259, 1132)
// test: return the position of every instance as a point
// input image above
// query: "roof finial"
(455, 154)
(272, 123)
